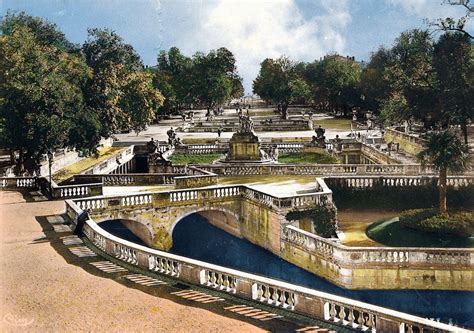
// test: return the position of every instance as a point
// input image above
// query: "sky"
(253, 30)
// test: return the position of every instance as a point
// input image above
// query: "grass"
(86, 163)
(260, 113)
(198, 141)
(307, 158)
(392, 233)
(333, 123)
(194, 159)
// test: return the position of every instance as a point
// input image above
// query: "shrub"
(322, 216)
(461, 224)
(413, 216)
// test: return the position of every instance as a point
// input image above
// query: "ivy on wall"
(323, 217)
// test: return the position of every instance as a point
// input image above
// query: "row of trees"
(206, 80)
(417, 79)
(56, 94)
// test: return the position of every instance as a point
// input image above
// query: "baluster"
(332, 312)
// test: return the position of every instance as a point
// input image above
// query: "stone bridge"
(239, 210)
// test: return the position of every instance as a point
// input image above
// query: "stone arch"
(220, 217)
(137, 227)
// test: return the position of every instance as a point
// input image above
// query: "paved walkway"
(44, 288)
(51, 280)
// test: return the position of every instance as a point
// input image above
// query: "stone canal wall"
(323, 306)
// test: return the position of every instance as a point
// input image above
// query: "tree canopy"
(54, 94)
(208, 79)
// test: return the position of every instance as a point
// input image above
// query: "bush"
(461, 224)
(322, 216)
(412, 216)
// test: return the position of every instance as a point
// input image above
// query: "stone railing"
(18, 182)
(407, 142)
(318, 169)
(196, 178)
(76, 191)
(321, 194)
(350, 256)
(121, 162)
(129, 179)
(197, 195)
(323, 306)
(395, 181)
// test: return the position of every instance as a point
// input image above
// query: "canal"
(195, 238)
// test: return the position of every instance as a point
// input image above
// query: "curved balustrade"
(323, 306)
(364, 256)
(163, 265)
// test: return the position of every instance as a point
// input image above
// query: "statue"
(337, 143)
(171, 136)
(274, 152)
(246, 125)
(320, 139)
(157, 158)
(152, 146)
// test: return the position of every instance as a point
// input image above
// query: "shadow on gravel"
(54, 238)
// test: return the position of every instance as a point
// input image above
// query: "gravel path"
(41, 291)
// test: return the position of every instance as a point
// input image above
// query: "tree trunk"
(284, 110)
(464, 131)
(442, 190)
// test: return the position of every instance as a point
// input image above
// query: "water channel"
(195, 238)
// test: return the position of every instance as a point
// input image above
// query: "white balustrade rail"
(19, 182)
(339, 310)
(365, 256)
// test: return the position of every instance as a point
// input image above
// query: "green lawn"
(307, 158)
(392, 233)
(333, 123)
(85, 163)
(194, 159)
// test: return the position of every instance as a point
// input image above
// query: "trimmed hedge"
(460, 224)
(412, 216)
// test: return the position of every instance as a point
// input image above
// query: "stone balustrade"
(320, 169)
(349, 256)
(323, 306)
(129, 179)
(18, 182)
(395, 181)
(76, 191)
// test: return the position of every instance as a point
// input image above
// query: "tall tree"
(446, 152)
(214, 78)
(374, 85)
(45, 32)
(335, 82)
(278, 82)
(109, 93)
(413, 80)
(453, 61)
(40, 95)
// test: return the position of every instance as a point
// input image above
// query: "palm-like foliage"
(446, 152)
